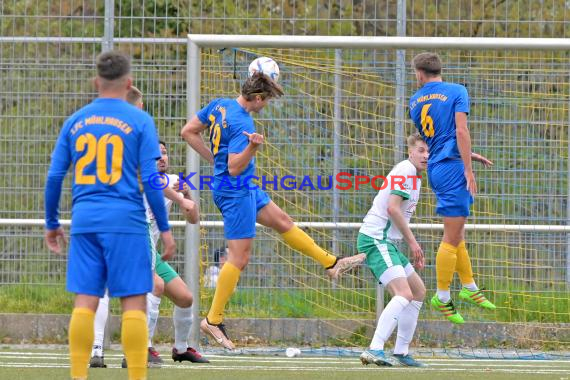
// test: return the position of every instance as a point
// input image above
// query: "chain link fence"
(47, 50)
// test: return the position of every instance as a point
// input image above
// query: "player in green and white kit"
(166, 277)
(386, 223)
(175, 288)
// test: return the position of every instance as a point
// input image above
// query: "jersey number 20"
(427, 121)
(97, 150)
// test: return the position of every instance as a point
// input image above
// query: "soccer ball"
(266, 65)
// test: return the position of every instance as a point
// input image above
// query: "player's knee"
(453, 240)
(240, 259)
(285, 221)
(453, 236)
(185, 300)
(241, 262)
(282, 222)
(408, 295)
(419, 294)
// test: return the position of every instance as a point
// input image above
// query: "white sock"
(152, 304)
(182, 322)
(101, 316)
(406, 327)
(444, 295)
(387, 321)
(472, 287)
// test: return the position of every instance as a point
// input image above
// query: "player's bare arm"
(184, 189)
(464, 145)
(237, 162)
(188, 207)
(192, 134)
(168, 245)
(481, 159)
(192, 214)
(396, 216)
(190, 210)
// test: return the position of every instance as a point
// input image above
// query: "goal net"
(345, 111)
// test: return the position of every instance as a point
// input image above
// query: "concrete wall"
(22, 328)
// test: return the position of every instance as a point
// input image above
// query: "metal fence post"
(108, 34)
(192, 233)
(106, 45)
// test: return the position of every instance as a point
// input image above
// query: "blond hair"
(413, 139)
(134, 96)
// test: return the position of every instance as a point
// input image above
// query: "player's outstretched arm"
(396, 216)
(192, 134)
(482, 159)
(181, 196)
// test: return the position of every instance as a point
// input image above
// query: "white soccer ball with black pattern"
(266, 65)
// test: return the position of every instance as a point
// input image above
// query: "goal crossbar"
(355, 42)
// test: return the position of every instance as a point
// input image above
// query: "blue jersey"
(107, 142)
(227, 121)
(432, 109)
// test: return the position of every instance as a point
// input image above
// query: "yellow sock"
(81, 335)
(299, 240)
(445, 265)
(134, 337)
(227, 282)
(463, 266)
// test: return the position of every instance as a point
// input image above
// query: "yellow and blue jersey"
(227, 121)
(108, 141)
(432, 109)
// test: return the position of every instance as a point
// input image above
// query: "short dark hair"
(260, 84)
(429, 63)
(113, 65)
(162, 142)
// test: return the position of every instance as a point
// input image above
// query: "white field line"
(310, 359)
(353, 363)
(547, 364)
(350, 359)
(32, 365)
(301, 369)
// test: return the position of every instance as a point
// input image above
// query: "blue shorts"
(240, 213)
(121, 262)
(447, 179)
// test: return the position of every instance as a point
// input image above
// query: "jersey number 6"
(215, 134)
(427, 121)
